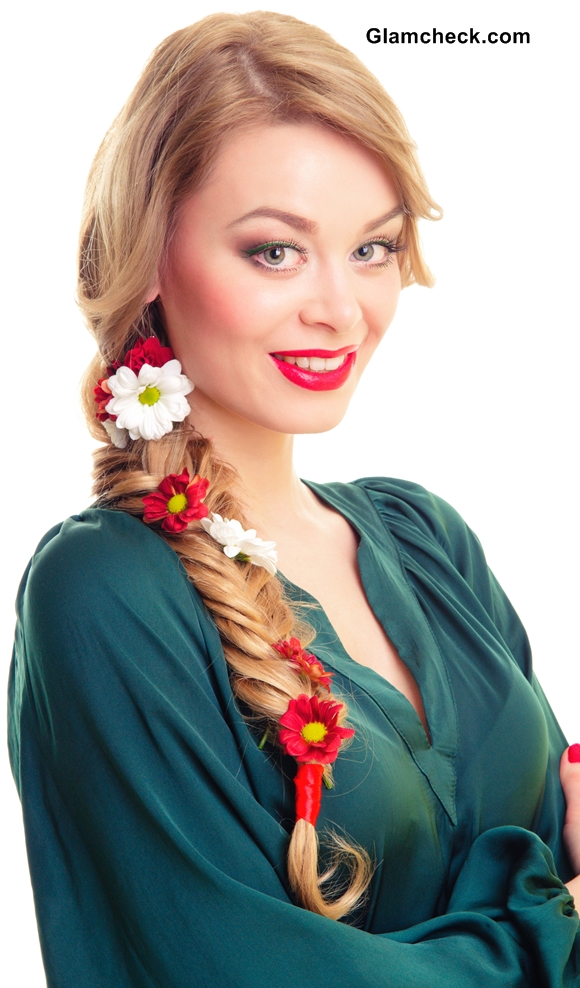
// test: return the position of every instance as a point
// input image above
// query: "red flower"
(306, 663)
(147, 351)
(103, 395)
(102, 398)
(178, 500)
(309, 730)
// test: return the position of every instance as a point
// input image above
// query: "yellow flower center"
(315, 731)
(150, 396)
(177, 503)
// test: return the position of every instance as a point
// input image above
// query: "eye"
(277, 255)
(274, 255)
(365, 252)
(377, 253)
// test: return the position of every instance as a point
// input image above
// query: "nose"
(332, 302)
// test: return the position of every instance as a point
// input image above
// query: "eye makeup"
(250, 251)
(390, 245)
(274, 253)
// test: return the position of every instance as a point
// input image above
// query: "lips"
(316, 380)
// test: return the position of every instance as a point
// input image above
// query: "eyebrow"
(310, 226)
(291, 219)
(396, 211)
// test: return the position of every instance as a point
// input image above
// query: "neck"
(270, 488)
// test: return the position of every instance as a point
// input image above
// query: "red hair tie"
(308, 782)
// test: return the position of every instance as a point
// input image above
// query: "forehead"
(302, 168)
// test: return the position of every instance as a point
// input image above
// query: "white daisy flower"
(119, 437)
(148, 403)
(240, 544)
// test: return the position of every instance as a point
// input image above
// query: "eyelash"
(391, 246)
(250, 252)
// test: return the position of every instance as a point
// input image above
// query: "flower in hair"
(148, 403)
(241, 545)
(103, 396)
(146, 393)
(309, 730)
(119, 437)
(147, 351)
(178, 501)
(304, 662)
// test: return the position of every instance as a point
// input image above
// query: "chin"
(319, 424)
(300, 415)
(307, 421)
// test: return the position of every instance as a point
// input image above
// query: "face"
(282, 278)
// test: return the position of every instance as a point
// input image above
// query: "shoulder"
(434, 539)
(98, 566)
(99, 532)
(432, 536)
(414, 514)
(96, 547)
(114, 649)
(428, 532)
(109, 623)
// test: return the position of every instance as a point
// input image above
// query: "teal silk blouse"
(157, 828)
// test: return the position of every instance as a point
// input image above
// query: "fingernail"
(574, 753)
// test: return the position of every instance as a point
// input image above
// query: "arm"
(153, 856)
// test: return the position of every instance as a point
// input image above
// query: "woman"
(249, 222)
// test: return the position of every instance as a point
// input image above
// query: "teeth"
(314, 363)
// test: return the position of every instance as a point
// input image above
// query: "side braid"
(251, 615)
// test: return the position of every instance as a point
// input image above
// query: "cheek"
(203, 305)
(221, 302)
(197, 291)
(383, 304)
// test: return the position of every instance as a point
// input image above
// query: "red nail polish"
(574, 753)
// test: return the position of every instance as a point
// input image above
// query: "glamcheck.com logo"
(376, 35)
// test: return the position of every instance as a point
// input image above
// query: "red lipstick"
(316, 380)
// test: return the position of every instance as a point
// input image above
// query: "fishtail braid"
(251, 614)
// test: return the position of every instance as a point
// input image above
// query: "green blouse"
(157, 828)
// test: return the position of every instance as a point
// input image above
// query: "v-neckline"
(397, 609)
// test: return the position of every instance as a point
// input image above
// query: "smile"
(317, 364)
(316, 370)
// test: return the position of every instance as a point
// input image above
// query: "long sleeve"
(157, 830)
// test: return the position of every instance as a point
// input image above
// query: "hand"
(570, 778)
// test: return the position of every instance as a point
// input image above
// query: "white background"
(473, 392)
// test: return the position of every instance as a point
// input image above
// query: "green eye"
(365, 252)
(277, 254)
(274, 255)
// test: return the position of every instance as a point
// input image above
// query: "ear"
(152, 295)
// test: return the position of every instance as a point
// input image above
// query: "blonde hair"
(201, 84)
